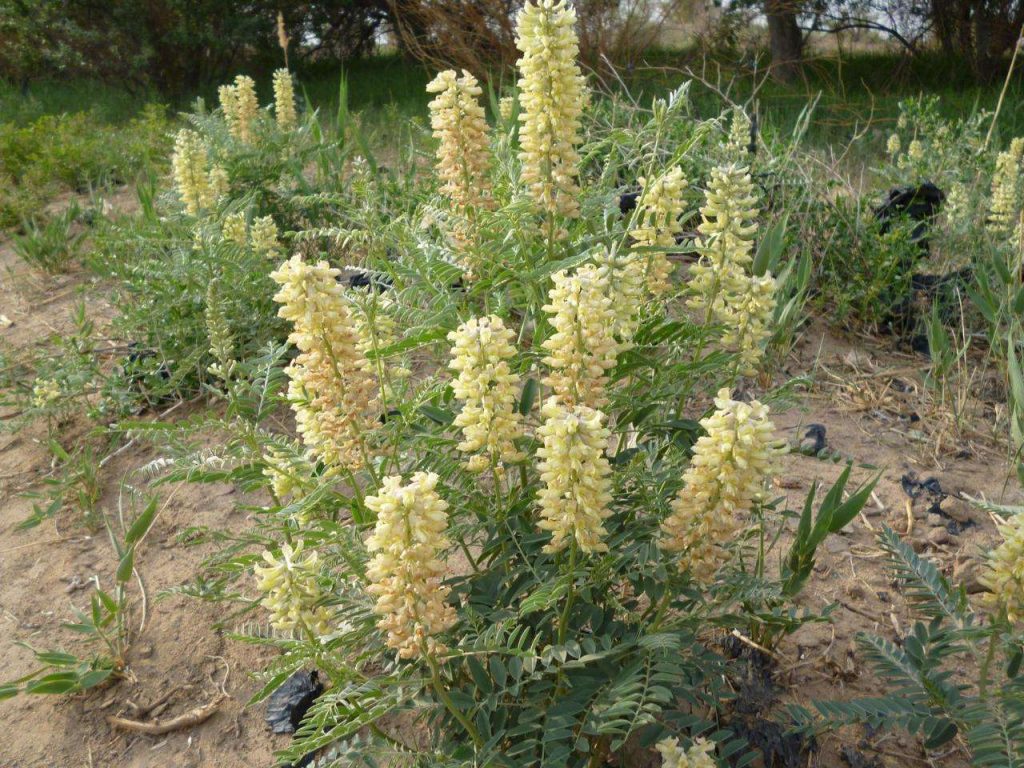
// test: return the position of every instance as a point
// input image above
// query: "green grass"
(860, 90)
(60, 135)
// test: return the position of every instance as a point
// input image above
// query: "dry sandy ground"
(866, 398)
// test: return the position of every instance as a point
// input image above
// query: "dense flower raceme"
(284, 100)
(235, 230)
(44, 392)
(331, 390)
(741, 135)
(289, 583)
(239, 104)
(481, 351)
(1004, 577)
(553, 96)
(290, 476)
(1006, 188)
(264, 237)
(658, 212)
(723, 287)
(191, 178)
(574, 500)
(406, 571)
(460, 127)
(583, 347)
(726, 476)
(697, 756)
(625, 272)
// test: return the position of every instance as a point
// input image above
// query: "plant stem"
(442, 694)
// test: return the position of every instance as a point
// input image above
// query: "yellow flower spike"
(727, 474)
(1004, 575)
(332, 394)
(576, 495)
(289, 583)
(659, 208)
(552, 96)
(188, 165)
(626, 276)
(247, 107)
(460, 127)
(740, 134)
(228, 97)
(697, 756)
(44, 392)
(407, 569)
(1006, 189)
(583, 348)
(235, 230)
(487, 388)
(747, 316)
(284, 100)
(264, 237)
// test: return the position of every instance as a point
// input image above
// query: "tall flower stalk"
(721, 281)
(459, 125)
(659, 208)
(406, 571)
(333, 395)
(189, 167)
(552, 93)
(583, 347)
(726, 476)
(574, 500)
(490, 424)
(284, 100)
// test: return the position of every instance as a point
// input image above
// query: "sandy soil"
(866, 395)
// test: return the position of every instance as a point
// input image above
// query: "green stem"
(442, 694)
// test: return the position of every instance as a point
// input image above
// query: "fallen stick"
(156, 728)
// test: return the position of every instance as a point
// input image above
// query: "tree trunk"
(784, 38)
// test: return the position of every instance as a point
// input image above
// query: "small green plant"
(52, 245)
(104, 627)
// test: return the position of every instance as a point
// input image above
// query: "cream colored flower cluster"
(406, 571)
(289, 583)
(220, 183)
(284, 100)
(740, 134)
(331, 392)
(697, 756)
(487, 387)
(235, 230)
(264, 237)
(747, 317)
(290, 476)
(723, 287)
(460, 127)
(44, 392)
(239, 104)
(1004, 208)
(189, 167)
(583, 348)
(625, 274)
(553, 96)
(726, 476)
(658, 211)
(1004, 577)
(575, 499)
